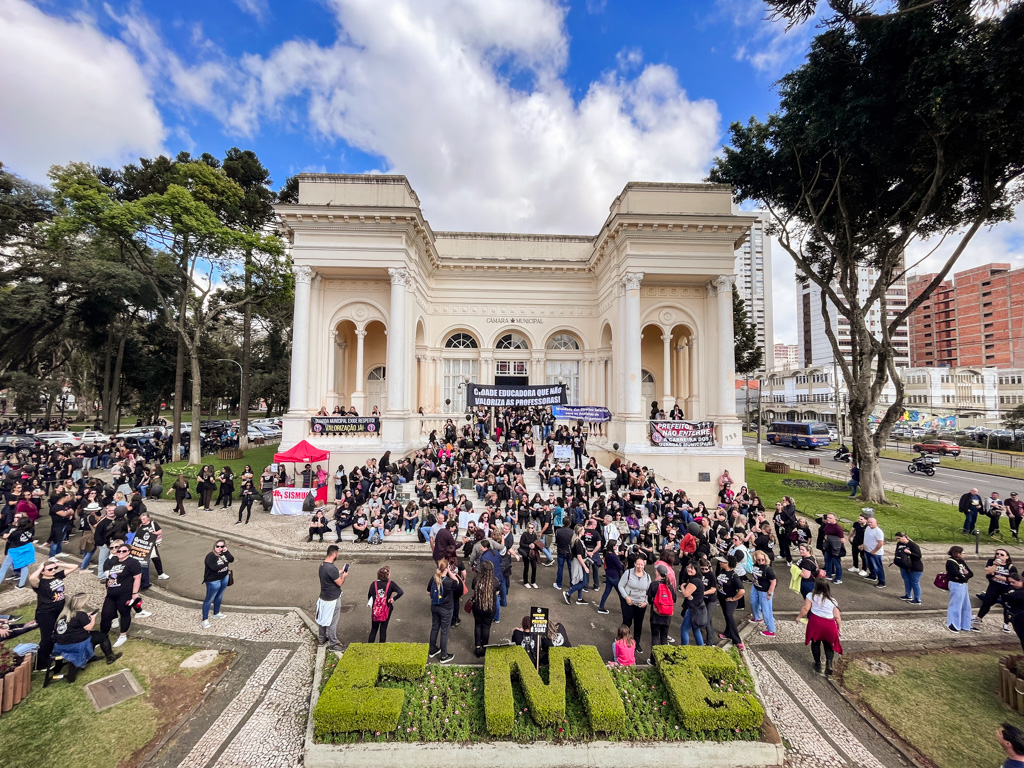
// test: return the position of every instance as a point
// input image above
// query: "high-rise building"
(975, 319)
(754, 284)
(787, 356)
(815, 348)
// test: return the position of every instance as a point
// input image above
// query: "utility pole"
(759, 419)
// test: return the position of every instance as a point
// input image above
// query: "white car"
(138, 432)
(92, 437)
(61, 438)
(269, 430)
(833, 434)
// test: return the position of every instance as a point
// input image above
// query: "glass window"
(456, 372)
(563, 341)
(568, 371)
(513, 341)
(460, 341)
(510, 368)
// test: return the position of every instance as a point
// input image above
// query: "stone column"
(725, 402)
(342, 354)
(299, 389)
(332, 379)
(421, 397)
(397, 340)
(682, 379)
(435, 383)
(692, 365)
(668, 398)
(358, 398)
(486, 370)
(632, 372)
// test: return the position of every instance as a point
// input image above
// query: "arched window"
(377, 374)
(512, 341)
(460, 341)
(646, 377)
(563, 341)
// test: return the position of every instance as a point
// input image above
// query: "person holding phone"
(328, 605)
(75, 638)
(216, 575)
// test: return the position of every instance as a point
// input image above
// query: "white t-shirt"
(823, 607)
(872, 538)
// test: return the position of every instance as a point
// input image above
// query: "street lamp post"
(760, 418)
(240, 374)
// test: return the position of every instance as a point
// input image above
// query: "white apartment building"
(787, 357)
(754, 285)
(815, 348)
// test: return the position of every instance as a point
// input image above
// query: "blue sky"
(506, 115)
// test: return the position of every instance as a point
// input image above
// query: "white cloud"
(1003, 243)
(767, 46)
(629, 58)
(437, 91)
(257, 8)
(69, 93)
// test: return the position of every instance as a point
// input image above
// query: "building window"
(513, 341)
(510, 368)
(563, 341)
(460, 341)
(565, 372)
(456, 373)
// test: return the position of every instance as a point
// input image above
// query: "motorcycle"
(924, 464)
(844, 456)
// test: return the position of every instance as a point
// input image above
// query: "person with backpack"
(809, 570)
(442, 588)
(662, 597)
(697, 586)
(486, 593)
(834, 548)
(578, 569)
(381, 597)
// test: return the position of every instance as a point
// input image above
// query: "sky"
(506, 115)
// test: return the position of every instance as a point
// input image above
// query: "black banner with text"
(515, 395)
(345, 425)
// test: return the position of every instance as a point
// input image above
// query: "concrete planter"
(15, 685)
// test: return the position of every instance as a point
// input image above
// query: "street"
(946, 480)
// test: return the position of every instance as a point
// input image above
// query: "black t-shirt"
(591, 538)
(579, 549)
(215, 567)
(1002, 573)
(329, 590)
(763, 542)
(763, 576)
(729, 584)
(50, 594)
(807, 563)
(72, 630)
(121, 576)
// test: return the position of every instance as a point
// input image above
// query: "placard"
(591, 414)
(465, 517)
(500, 395)
(563, 453)
(538, 620)
(345, 425)
(685, 434)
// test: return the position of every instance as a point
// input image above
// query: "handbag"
(942, 581)
(231, 578)
(468, 607)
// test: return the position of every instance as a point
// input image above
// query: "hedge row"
(547, 702)
(595, 686)
(685, 671)
(351, 701)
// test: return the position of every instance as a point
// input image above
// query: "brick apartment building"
(975, 319)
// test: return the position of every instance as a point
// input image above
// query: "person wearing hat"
(908, 560)
(633, 587)
(662, 598)
(1015, 512)
(87, 548)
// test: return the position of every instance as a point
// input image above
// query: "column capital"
(720, 284)
(632, 280)
(361, 333)
(334, 333)
(399, 275)
(667, 338)
(303, 273)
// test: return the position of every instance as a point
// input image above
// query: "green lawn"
(257, 458)
(922, 519)
(973, 466)
(945, 704)
(58, 724)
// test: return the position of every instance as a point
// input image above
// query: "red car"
(941, 447)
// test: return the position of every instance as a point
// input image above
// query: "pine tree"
(749, 356)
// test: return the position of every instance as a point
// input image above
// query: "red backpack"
(381, 610)
(663, 603)
(688, 545)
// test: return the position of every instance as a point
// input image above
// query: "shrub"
(595, 686)
(547, 702)
(351, 701)
(685, 672)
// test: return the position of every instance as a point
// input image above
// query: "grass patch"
(922, 519)
(59, 724)
(928, 698)
(257, 458)
(982, 467)
(448, 705)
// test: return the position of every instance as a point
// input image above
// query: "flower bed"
(15, 678)
(621, 704)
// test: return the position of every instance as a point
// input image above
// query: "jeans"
(911, 584)
(971, 520)
(687, 627)
(834, 567)
(330, 632)
(876, 568)
(958, 614)
(8, 564)
(101, 558)
(562, 560)
(56, 546)
(578, 587)
(761, 606)
(609, 587)
(440, 623)
(337, 491)
(144, 581)
(214, 594)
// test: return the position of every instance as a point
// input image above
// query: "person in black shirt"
(998, 570)
(215, 576)
(20, 534)
(74, 639)
(808, 570)
(328, 604)
(124, 578)
(48, 582)
(763, 576)
(908, 559)
(730, 595)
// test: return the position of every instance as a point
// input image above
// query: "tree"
(748, 355)
(796, 12)
(1014, 420)
(896, 128)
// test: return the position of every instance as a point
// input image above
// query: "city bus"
(799, 434)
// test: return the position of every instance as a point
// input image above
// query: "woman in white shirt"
(823, 624)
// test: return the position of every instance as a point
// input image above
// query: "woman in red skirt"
(823, 624)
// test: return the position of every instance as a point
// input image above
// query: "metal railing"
(992, 458)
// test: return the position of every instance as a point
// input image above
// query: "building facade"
(754, 285)
(787, 357)
(392, 314)
(815, 348)
(975, 319)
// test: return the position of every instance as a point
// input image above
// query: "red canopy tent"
(304, 453)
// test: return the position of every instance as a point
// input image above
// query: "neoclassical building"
(393, 315)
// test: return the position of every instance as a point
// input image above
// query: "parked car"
(61, 438)
(941, 447)
(140, 432)
(269, 430)
(916, 432)
(92, 437)
(833, 434)
(15, 443)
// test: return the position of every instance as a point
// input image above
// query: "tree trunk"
(195, 452)
(105, 401)
(179, 394)
(115, 379)
(243, 395)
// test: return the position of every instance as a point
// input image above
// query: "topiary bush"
(595, 686)
(685, 671)
(351, 701)
(547, 702)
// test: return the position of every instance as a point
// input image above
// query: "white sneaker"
(163, 576)
(120, 641)
(144, 614)
(115, 624)
(220, 615)
(206, 623)
(863, 573)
